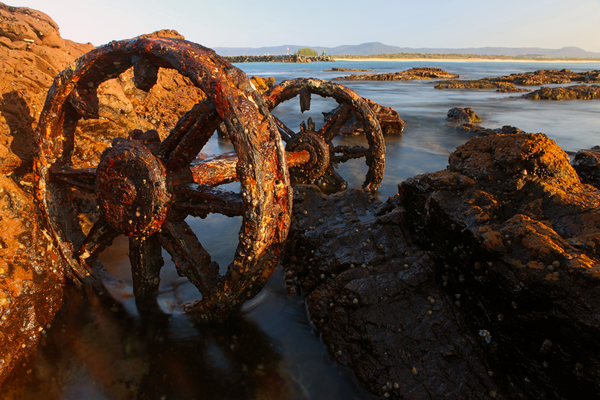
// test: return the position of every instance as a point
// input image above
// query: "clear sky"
(549, 24)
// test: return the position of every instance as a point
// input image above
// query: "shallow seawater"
(270, 350)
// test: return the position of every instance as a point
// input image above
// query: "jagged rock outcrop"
(500, 254)
(408, 75)
(577, 92)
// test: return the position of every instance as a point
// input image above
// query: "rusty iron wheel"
(144, 188)
(349, 102)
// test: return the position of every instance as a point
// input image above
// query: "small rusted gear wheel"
(144, 188)
(318, 152)
(349, 102)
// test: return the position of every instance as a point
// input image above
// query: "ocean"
(271, 350)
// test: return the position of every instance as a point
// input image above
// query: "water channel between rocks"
(270, 350)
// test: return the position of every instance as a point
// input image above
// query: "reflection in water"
(97, 350)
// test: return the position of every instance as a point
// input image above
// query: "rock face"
(32, 53)
(408, 75)
(482, 277)
(577, 92)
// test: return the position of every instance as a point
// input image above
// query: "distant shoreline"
(494, 60)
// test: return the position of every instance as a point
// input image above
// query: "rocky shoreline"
(474, 282)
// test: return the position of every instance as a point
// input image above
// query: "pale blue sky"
(426, 23)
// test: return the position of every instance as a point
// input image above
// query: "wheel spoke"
(100, 236)
(214, 169)
(286, 133)
(304, 100)
(335, 122)
(79, 178)
(190, 258)
(201, 200)
(145, 256)
(348, 153)
(190, 134)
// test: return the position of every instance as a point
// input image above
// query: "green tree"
(307, 52)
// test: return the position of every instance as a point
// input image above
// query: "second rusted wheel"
(349, 101)
(144, 188)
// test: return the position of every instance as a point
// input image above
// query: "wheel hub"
(131, 188)
(319, 155)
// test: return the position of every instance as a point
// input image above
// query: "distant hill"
(373, 48)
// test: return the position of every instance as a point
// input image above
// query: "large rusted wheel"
(144, 188)
(313, 140)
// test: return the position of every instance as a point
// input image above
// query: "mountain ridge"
(375, 48)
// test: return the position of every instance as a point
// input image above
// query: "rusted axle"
(218, 169)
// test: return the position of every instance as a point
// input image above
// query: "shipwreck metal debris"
(349, 101)
(144, 188)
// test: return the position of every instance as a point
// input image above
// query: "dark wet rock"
(389, 120)
(577, 92)
(587, 165)
(499, 293)
(408, 75)
(478, 130)
(378, 302)
(463, 115)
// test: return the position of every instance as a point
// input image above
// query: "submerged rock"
(408, 75)
(463, 115)
(474, 282)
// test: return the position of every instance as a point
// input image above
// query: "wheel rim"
(264, 201)
(349, 101)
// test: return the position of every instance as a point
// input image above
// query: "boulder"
(463, 115)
